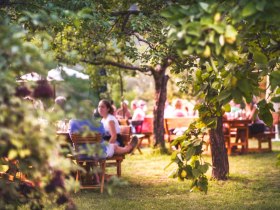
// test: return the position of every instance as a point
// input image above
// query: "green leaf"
(203, 168)
(266, 117)
(190, 152)
(206, 20)
(237, 95)
(215, 85)
(220, 29)
(196, 173)
(260, 58)
(260, 5)
(274, 79)
(194, 29)
(224, 95)
(249, 9)
(204, 6)
(197, 142)
(174, 155)
(167, 14)
(243, 86)
(276, 99)
(265, 111)
(227, 107)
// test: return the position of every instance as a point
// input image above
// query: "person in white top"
(111, 124)
(138, 112)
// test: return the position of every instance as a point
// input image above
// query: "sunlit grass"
(254, 183)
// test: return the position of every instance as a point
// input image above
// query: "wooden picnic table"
(238, 128)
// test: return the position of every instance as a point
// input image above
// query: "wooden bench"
(116, 160)
(264, 137)
(177, 122)
(79, 140)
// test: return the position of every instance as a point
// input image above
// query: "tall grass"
(254, 183)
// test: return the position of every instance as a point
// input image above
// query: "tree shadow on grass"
(239, 179)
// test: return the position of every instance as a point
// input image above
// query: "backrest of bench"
(86, 139)
(177, 122)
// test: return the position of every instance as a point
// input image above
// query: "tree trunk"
(160, 97)
(219, 153)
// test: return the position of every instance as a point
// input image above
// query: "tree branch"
(125, 13)
(143, 40)
(120, 65)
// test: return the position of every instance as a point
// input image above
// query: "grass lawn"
(254, 183)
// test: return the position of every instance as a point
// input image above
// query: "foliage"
(28, 143)
(230, 47)
(112, 36)
(189, 159)
(234, 51)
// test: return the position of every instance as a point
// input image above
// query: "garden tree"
(231, 46)
(121, 36)
(110, 33)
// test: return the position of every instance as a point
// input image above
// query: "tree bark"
(219, 153)
(160, 97)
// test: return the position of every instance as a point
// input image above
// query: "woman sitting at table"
(111, 124)
(87, 123)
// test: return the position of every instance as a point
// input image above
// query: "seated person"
(138, 112)
(138, 116)
(179, 110)
(257, 125)
(168, 110)
(89, 124)
(123, 112)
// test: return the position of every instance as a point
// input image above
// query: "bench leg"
(260, 144)
(269, 145)
(229, 148)
(119, 169)
(102, 166)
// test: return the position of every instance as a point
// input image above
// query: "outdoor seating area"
(139, 104)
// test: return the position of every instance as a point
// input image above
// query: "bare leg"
(122, 150)
(128, 148)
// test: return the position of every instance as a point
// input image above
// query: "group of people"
(138, 108)
(179, 108)
(108, 126)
